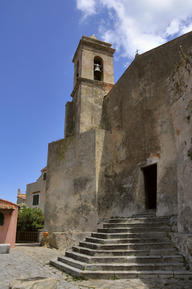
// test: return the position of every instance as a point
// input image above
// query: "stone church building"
(127, 147)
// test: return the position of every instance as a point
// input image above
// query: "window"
(36, 200)
(1, 219)
(44, 176)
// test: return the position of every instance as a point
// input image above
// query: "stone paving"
(31, 260)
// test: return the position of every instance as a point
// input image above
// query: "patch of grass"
(80, 278)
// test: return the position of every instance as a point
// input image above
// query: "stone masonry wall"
(180, 89)
(140, 117)
(71, 188)
(85, 111)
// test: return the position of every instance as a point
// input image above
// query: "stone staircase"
(126, 248)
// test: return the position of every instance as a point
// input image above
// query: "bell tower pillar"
(93, 79)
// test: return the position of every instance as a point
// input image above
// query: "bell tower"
(93, 79)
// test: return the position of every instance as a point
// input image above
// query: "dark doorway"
(150, 186)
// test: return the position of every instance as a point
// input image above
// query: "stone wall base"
(184, 243)
(64, 240)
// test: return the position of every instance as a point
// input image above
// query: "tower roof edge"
(94, 42)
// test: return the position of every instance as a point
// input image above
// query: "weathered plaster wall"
(92, 94)
(71, 187)
(184, 243)
(37, 187)
(180, 89)
(85, 110)
(69, 119)
(138, 113)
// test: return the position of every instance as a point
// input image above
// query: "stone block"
(33, 282)
(4, 248)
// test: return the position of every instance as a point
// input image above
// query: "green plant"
(182, 54)
(114, 278)
(29, 219)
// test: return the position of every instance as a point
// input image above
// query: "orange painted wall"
(8, 230)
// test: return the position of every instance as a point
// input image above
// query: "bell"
(97, 68)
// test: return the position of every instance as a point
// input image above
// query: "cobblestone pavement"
(30, 260)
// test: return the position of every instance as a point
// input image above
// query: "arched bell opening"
(98, 68)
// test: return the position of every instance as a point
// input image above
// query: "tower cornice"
(91, 82)
(95, 44)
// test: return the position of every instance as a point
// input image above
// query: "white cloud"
(186, 28)
(139, 24)
(173, 27)
(86, 6)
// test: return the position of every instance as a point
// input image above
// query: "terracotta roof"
(44, 169)
(7, 205)
(22, 196)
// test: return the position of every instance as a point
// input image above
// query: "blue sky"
(38, 39)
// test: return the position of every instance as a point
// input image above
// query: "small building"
(21, 198)
(35, 192)
(8, 222)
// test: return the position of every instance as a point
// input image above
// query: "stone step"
(126, 240)
(149, 252)
(134, 229)
(141, 220)
(138, 259)
(135, 225)
(72, 262)
(113, 275)
(134, 266)
(139, 246)
(126, 248)
(92, 252)
(124, 259)
(77, 273)
(128, 266)
(129, 235)
(147, 212)
(78, 256)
